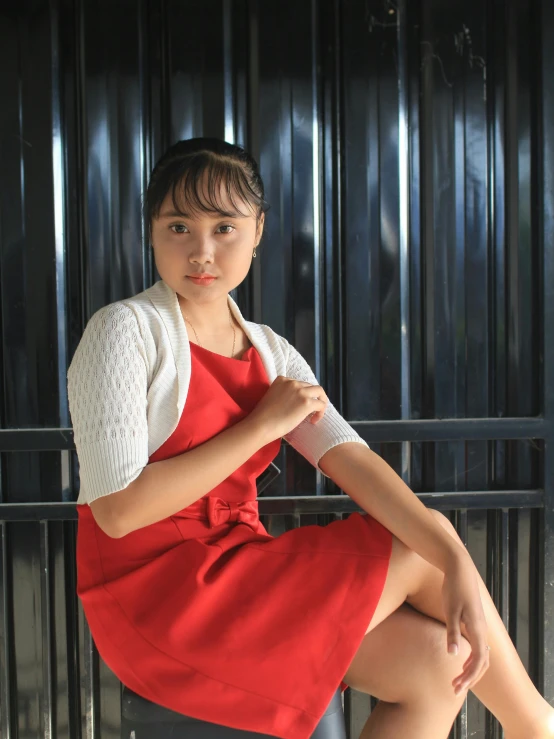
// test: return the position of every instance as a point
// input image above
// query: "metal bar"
(504, 546)
(404, 229)
(431, 429)
(453, 429)
(228, 72)
(492, 583)
(46, 623)
(545, 163)
(37, 512)
(308, 504)
(90, 686)
(317, 186)
(6, 639)
(72, 630)
(339, 174)
(59, 146)
(145, 133)
(267, 477)
(36, 440)
(497, 583)
(459, 520)
(82, 185)
(253, 138)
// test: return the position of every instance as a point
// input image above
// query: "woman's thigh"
(406, 576)
(404, 657)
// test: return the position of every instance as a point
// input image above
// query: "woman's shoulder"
(115, 338)
(268, 338)
(128, 319)
(115, 322)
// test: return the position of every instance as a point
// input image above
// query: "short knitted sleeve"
(313, 440)
(107, 393)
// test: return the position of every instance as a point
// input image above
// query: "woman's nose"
(202, 246)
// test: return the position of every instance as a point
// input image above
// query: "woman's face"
(204, 242)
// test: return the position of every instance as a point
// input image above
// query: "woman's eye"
(178, 228)
(232, 228)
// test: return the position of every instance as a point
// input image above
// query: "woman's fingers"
(469, 681)
(478, 662)
(453, 636)
(462, 605)
(453, 632)
(485, 668)
(477, 632)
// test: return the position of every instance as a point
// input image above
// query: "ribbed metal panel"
(408, 155)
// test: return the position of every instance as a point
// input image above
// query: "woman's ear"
(260, 228)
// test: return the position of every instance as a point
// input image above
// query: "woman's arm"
(167, 486)
(376, 488)
(107, 384)
(374, 485)
(333, 447)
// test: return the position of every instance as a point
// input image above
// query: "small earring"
(254, 255)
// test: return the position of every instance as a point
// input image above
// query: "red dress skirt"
(206, 613)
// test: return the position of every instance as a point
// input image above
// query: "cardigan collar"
(165, 301)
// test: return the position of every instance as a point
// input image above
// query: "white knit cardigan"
(128, 380)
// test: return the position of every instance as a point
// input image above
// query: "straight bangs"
(207, 183)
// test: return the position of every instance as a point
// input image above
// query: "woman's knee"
(437, 668)
(405, 660)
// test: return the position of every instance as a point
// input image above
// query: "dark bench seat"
(142, 719)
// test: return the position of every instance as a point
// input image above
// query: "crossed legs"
(404, 675)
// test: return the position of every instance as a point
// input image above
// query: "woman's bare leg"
(505, 689)
(418, 701)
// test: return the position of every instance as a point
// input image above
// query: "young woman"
(178, 404)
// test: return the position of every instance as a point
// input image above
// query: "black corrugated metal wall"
(408, 155)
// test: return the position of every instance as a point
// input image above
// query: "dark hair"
(182, 168)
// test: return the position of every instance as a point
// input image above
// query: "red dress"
(206, 613)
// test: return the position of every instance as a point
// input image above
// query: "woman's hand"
(286, 404)
(462, 605)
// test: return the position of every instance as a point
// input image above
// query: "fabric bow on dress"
(223, 511)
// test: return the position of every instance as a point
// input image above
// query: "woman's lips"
(201, 280)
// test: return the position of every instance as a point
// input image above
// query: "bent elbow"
(107, 517)
(116, 529)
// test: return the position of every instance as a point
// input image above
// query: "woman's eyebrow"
(218, 216)
(172, 214)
